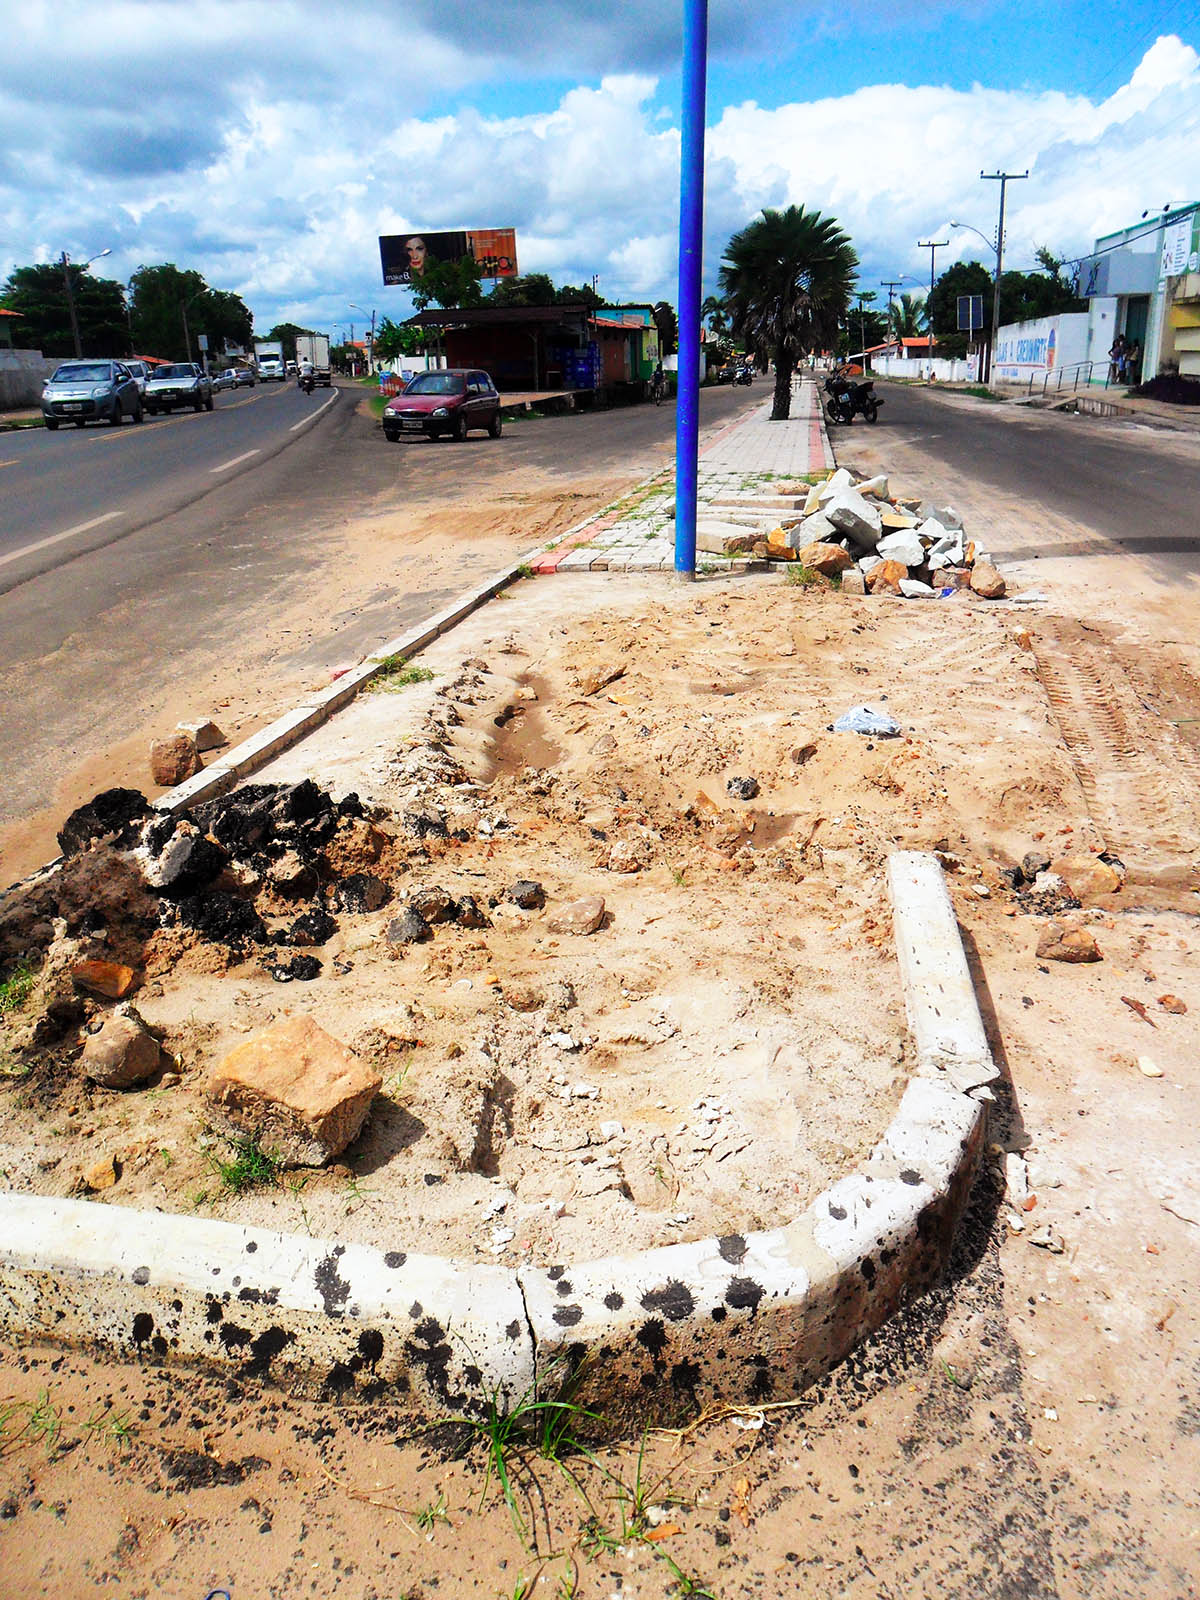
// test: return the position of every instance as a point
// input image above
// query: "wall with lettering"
(1026, 349)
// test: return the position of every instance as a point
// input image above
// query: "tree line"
(161, 312)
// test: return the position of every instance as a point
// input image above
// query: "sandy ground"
(1030, 1429)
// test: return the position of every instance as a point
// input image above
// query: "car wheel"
(79, 422)
(139, 415)
(114, 416)
(494, 427)
(208, 404)
(51, 425)
(198, 403)
(392, 438)
(459, 430)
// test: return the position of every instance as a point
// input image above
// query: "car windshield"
(437, 383)
(83, 372)
(182, 370)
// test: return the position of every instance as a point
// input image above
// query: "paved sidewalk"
(638, 533)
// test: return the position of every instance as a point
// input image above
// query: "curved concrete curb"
(738, 1319)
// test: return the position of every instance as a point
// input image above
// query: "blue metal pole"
(691, 236)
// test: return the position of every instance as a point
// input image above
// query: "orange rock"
(107, 978)
(829, 559)
(885, 578)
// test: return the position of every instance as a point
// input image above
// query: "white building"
(1144, 282)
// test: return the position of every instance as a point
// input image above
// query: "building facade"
(1143, 282)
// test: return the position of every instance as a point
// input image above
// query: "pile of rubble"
(851, 529)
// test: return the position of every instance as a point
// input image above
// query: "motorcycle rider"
(307, 374)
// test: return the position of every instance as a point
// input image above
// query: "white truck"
(268, 358)
(314, 347)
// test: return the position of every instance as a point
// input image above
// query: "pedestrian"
(1116, 359)
(1134, 363)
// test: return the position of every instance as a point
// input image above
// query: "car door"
(126, 388)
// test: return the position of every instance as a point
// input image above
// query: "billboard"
(405, 256)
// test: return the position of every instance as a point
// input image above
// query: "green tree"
(963, 278)
(908, 316)
(534, 289)
(712, 313)
(286, 333)
(38, 294)
(397, 339)
(786, 279)
(448, 284)
(169, 307)
(667, 324)
(572, 295)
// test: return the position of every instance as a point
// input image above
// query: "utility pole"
(1003, 179)
(65, 263)
(891, 285)
(933, 246)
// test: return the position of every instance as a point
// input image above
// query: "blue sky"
(269, 145)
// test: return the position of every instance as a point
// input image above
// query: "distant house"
(546, 348)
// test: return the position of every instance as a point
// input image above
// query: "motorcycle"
(744, 375)
(848, 400)
(307, 382)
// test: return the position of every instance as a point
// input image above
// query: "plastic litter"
(861, 719)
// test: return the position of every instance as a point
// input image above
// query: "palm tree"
(786, 279)
(909, 315)
(713, 312)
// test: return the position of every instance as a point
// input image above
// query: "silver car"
(181, 384)
(90, 391)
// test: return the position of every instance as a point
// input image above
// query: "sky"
(267, 145)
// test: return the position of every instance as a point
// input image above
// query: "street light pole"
(65, 264)
(891, 285)
(933, 246)
(1003, 179)
(691, 248)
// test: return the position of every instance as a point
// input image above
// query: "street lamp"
(65, 263)
(992, 246)
(371, 344)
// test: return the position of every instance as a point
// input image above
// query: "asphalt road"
(211, 579)
(1132, 484)
(80, 488)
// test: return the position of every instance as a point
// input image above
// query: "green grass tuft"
(396, 672)
(251, 1167)
(16, 988)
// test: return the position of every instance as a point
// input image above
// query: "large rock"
(829, 559)
(115, 812)
(886, 577)
(1074, 945)
(724, 539)
(298, 1092)
(986, 581)
(834, 484)
(876, 488)
(893, 519)
(123, 1053)
(111, 979)
(857, 519)
(853, 582)
(816, 529)
(206, 734)
(174, 760)
(902, 545)
(1086, 877)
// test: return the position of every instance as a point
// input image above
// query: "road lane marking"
(237, 460)
(13, 463)
(234, 404)
(57, 538)
(304, 421)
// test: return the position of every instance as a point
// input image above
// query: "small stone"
(742, 788)
(1073, 945)
(598, 678)
(1046, 1239)
(1172, 1003)
(853, 582)
(206, 735)
(434, 904)
(611, 1130)
(561, 1041)
(301, 968)
(293, 876)
(1033, 862)
(174, 760)
(108, 978)
(629, 855)
(982, 890)
(1086, 876)
(102, 1174)
(527, 894)
(312, 928)
(584, 1091)
(986, 581)
(409, 927)
(524, 997)
(123, 1053)
(1149, 1068)
(579, 917)
(361, 892)
(470, 914)
(914, 589)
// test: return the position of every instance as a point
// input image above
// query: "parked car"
(245, 377)
(90, 391)
(450, 401)
(181, 384)
(139, 372)
(225, 380)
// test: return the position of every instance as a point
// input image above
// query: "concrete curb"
(740, 1319)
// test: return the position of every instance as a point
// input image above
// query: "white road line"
(225, 465)
(304, 421)
(57, 538)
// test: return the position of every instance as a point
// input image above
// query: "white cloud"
(275, 178)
